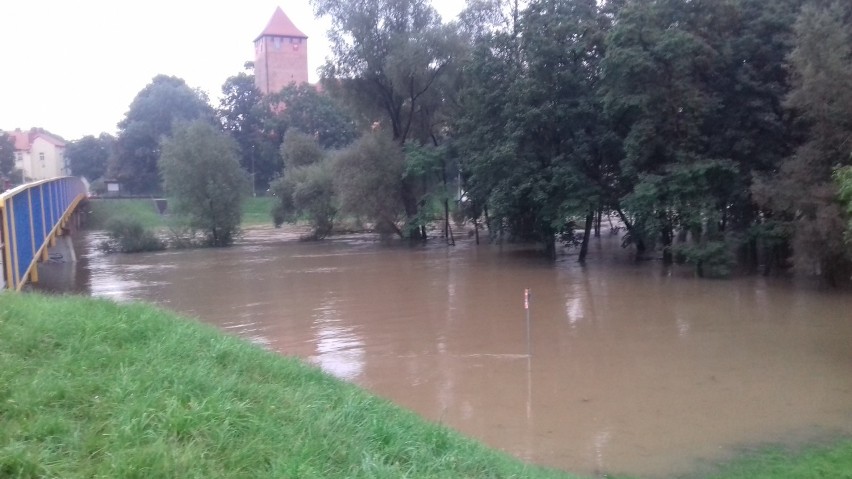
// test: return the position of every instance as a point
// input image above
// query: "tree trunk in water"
(584, 248)
(598, 223)
(409, 202)
(667, 244)
(550, 246)
(476, 230)
(639, 242)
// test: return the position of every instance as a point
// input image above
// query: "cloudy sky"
(73, 66)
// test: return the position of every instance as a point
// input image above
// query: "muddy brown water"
(632, 369)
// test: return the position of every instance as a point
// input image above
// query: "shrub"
(129, 236)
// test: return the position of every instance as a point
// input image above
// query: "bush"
(712, 259)
(129, 236)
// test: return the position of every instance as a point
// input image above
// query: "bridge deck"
(31, 217)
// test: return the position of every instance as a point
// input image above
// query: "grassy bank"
(255, 211)
(92, 389)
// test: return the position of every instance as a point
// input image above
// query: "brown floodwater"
(630, 368)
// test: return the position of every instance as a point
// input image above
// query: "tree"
(245, 115)
(152, 115)
(802, 192)
(90, 155)
(366, 179)
(391, 60)
(313, 113)
(201, 173)
(531, 129)
(306, 188)
(7, 154)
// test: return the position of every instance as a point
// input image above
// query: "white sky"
(74, 66)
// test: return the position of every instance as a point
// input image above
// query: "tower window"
(277, 43)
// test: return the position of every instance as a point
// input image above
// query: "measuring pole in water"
(527, 309)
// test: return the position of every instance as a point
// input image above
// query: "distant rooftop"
(280, 26)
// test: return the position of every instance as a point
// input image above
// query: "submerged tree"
(202, 175)
(391, 60)
(802, 191)
(305, 191)
(366, 178)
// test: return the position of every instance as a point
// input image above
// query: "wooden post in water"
(527, 309)
(529, 354)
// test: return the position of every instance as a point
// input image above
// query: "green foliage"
(712, 259)
(313, 113)
(153, 114)
(128, 235)
(802, 192)
(244, 114)
(306, 189)
(7, 154)
(535, 145)
(367, 181)
(843, 177)
(96, 389)
(299, 149)
(396, 65)
(202, 175)
(307, 192)
(89, 156)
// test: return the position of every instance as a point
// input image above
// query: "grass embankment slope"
(89, 388)
(255, 212)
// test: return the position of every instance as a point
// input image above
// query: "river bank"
(94, 389)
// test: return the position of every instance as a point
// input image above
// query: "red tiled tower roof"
(281, 26)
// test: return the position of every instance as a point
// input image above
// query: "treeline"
(718, 133)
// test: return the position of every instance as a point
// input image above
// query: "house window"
(41, 157)
(277, 42)
(19, 157)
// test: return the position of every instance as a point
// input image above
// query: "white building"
(39, 154)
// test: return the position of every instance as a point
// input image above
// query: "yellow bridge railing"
(31, 217)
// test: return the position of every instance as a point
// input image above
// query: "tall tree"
(389, 60)
(532, 128)
(201, 173)
(89, 156)
(695, 90)
(802, 190)
(152, 115)
(7, 154)
(243, 113)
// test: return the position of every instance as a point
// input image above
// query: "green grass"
(93, 389)
(834, 461)
(101, 211)
(256, 211)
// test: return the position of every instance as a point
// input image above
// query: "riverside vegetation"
(133, 225)
(95, 389)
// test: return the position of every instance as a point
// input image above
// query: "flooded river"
(628, 369)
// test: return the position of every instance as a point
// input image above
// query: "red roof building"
(39, 154)
(281, 55)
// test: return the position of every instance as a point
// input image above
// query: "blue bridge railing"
(33, 215)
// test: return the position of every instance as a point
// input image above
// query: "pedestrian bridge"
(33, 215)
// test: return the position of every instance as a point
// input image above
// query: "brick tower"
(280, 55)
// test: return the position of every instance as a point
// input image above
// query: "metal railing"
(31, 217)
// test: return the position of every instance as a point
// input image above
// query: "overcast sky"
(73, 66)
